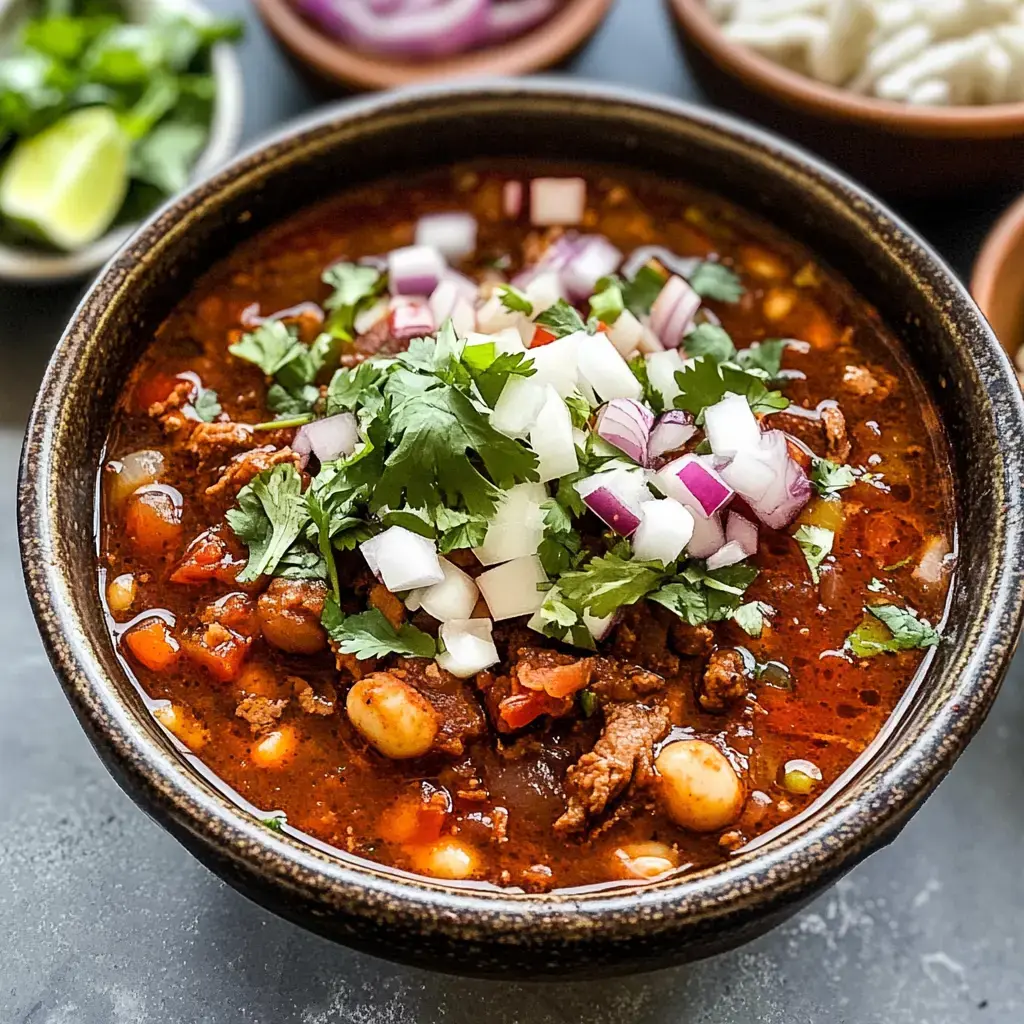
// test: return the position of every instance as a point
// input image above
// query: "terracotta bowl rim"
(542, 46)
(752, 886)
(997, 120)
(1006, 236)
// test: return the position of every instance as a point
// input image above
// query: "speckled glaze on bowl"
(437, 924)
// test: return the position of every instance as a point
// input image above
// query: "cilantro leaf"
(816, 544)
(887, 628)
(513, 299)
(763, 356)
(286, 404)
(607, 303)
(640, 293)
(829, 479)
(370, 635)
(270, 346)
(433, 432)
(709, 340)
(355, 288)
(608, 582)
(269, 518)
(714, 281)
(579, 410)
(490, 376)
(351, 388)
(458, 529)
(750, 617)
(563, 621)
(559, 550)
(706, 382)
(207, 405)
(698, 595)
(561, 319)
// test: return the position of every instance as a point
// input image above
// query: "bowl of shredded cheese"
(911, 96)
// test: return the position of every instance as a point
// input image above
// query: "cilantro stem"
(290, 421)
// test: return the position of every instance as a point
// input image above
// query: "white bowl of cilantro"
(107, 108)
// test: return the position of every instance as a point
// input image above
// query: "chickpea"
(275, 748)
(699, 787)
(448, 858)
(800, 777)
(645, 860)
(182, 724)
(392, 716)
(121, 593)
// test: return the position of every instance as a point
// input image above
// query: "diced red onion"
(452, 234)
(708, 536)
(731, 427)
(443, 28)
(684, 266)
(749, 475)
(556, 257)
(615, 497)
(626, 424)
(557, 202)
(672, 430)
(790, 489)
(595, 258)
(740, 530)
(327, 439)
(415, 270)
(673, 311)
(411, 318)
(612, 510)
(728, 554)
(694, 482)
(512, 199)
(650, 342)
(514, 17)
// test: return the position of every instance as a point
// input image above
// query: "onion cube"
(557, 364)
(749, 475)
(662, 368)
(454, 597)
(551, 438)
(625, 334)
(402, 560)
(492, 316)
(740, 530)
(518, 406)
(708, 536)
(517, 527)
(728, 554)
(415, 270)
(731, 427)
(695, 484)
(604, 369)
(452, 234)
(544, 291)
(468, 647)
(665, 529)
(557, 201)
(513, 589)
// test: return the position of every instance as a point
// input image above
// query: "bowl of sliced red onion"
(378, 44)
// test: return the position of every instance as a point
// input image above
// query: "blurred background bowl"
(342, 68)
(895, 148)
(28, 265)
(997, 282)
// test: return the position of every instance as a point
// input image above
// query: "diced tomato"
(208, 558)
(521, 709)
(541, 336)
(415, 820)
(153, 522)
(152, 389)
(556, 680)
(219, 650)
(602, 327)
(152, 644)
(889, 539)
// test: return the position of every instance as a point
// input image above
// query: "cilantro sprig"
(715, 281)
(888, 629)
(355, 288)
(706, 382)
(829, 478)
(370, 635)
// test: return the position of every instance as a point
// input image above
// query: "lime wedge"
(66, 184)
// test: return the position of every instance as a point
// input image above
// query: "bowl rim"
(753, 885)
(1005, 237)
(997, 120)
(544, 45)
(37, 266)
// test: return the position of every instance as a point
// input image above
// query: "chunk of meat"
(209, 439)
(289, 614)
(616, 681)
(724, 681)
(691, 641)
(641, 637)
(312, 702)
(261, 713)
(875, 383)
(244, 468)
(556, 674)
(623, 757)
(461, 718)
(168, 412)
(236, 611)
(837, 442)
(351, 666)
(387, 604)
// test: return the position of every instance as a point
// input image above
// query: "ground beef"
(209, 439)
(641, 637)
(351, 666)
(310, 701)
(623, 757)
(245, 467)
(261, 713)
(837, 443)
(387, 604)
(453, 699)
(691, 641)
(616, 681)
(724, 681)
(168, 412)
(875, 383)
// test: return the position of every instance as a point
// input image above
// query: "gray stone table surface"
(104, 919)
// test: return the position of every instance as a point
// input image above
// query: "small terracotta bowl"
(997, 283)
(489, 931)
(893, 147)
(342, 67)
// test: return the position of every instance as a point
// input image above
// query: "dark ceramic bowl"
(438, 924)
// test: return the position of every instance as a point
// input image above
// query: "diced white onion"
(708, 535)
(402, 560)
(604, 369)
(518, 406)
(133, 471)
(468, 647)
(557, 201)
(452, 234)
(327, 439)
(411, 318)
(512, 589)
(544, 291)
(517, 527)
(551, 438)
(728, 554)
(665, 529)
(731, 426)
(369, 318)
(453, 598)
(492, 316)
(661, 370)
(557, 363)
(626, 333)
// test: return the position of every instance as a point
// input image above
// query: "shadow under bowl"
(896, 148)
(443, 925)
